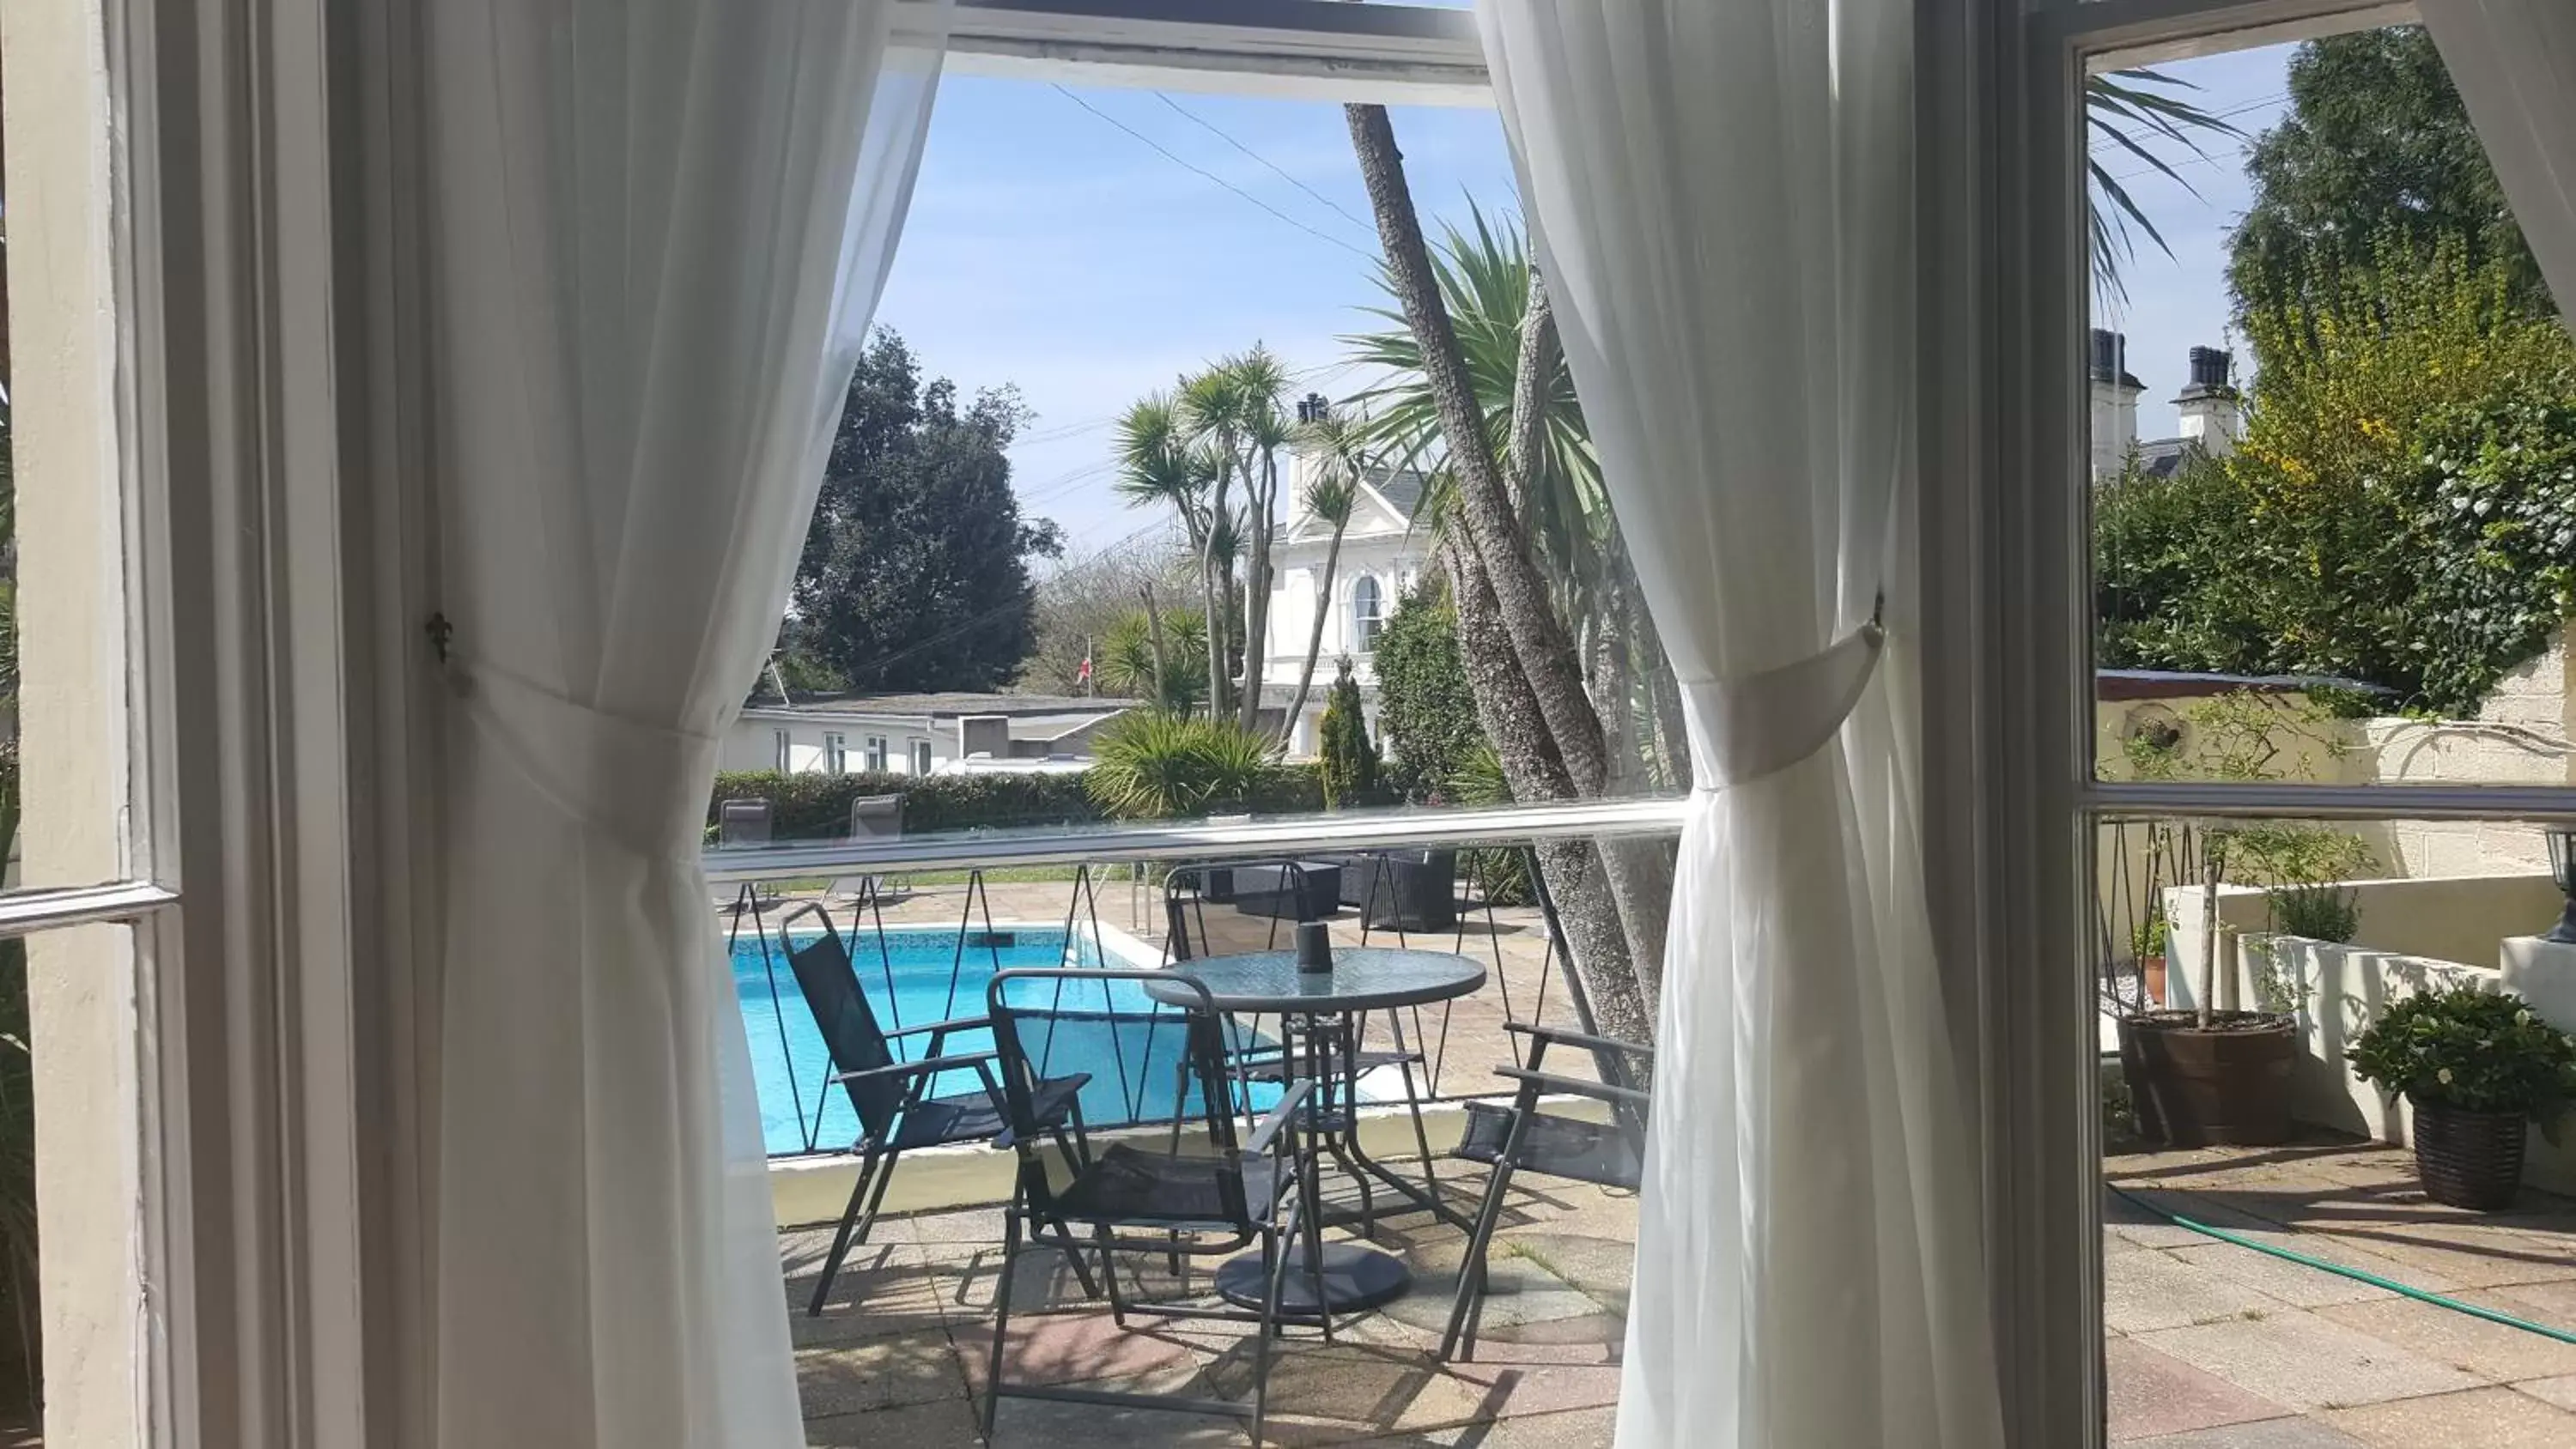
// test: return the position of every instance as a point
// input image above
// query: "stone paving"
(2208, 1345)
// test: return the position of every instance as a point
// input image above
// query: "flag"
(1083, 675)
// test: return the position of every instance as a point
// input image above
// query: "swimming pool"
(922, 977)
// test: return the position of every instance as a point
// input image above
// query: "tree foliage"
(1155, 766)
(2402, 509)
(915, 573)
(1425, 707)
(2375, 150)
(1348, 756)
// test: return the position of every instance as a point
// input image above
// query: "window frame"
(922, 753)
(879, 755)
(836, 753)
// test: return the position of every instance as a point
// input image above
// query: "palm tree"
(1338, 447)
(2126, 109)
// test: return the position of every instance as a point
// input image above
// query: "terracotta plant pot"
(2153, 969)
(2228, 1086)
(2468, 1159)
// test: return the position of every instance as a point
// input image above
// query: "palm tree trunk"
(1315, 636)
(1162, 661)
(1582, 877)
(1256, 626)
(1484, 505)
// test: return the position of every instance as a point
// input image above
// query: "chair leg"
(1312, 1219)
(1109, 1278)
(868, 1170)
(1001, 1318)
(1421, 1134)
(1275, 1253)
(1073, 1254)
(1471, 1268)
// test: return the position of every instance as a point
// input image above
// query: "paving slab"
(2560, 1392)
(2305, 1362)
(2151, 1393)
(2266, 1434)
(2552, 1305)
(877, 1373)
(2296, 1284)
(2143, 1292)
(1063, 1347)
(2491, 1351)
(2485, 1418)
(943, 1424)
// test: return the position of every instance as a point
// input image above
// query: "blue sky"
(1051, 250)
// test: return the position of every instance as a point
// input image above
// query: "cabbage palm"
(1339, 448)
(2127, 109)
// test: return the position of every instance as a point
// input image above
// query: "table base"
(1356, 1276)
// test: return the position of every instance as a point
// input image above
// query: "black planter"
(2469, 1159)
(2225, 1087)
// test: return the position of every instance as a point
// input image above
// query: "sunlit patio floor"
(2209, 1345)
(2215, 1346)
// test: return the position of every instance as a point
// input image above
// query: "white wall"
(751, 744)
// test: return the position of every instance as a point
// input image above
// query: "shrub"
(817, 807)
(1425, 707)
(1348, 756)
(2478, 1051)
(1161, 767)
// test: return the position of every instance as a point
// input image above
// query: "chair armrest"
(963, 1023)
(1575, 1086)
(1289, 1101)
(925, 1067)
(1577, 1038)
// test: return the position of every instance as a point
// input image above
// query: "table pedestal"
(1356, 1276)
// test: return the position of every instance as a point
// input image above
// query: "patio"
(2209, 1345)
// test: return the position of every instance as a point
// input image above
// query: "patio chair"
(1238, 1193)
(887, 1092)
(743, 822)
(1402, 890)
(1521, 1138)
(875, 817)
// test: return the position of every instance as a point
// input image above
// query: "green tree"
(1341, 451)
(1349, 756)
(2401, 510)
(915, 573)
(1154, 766)
(1425, 707)
(2375, 149)
(1171, 672)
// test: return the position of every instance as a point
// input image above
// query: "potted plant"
(2215, 1078)
(2147, 948)
(2476, 1066)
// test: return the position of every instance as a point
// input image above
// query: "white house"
(918, 734)
(1382, 556)
(2212, 411)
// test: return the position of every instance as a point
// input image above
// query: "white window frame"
(836, 753)
(783, 750)
(879, 755)
(1363, 638)
(922, 752)
(2024, 413)
(298, 394)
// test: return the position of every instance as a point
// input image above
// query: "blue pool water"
(1130, 1063)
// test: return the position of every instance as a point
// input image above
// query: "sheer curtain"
(2515, 64)
(658, 229)
(1722, 198)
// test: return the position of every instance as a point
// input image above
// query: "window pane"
(1127, 496)
(2333, 413)
(2268, 1133)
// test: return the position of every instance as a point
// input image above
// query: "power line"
(1212, 128)
(1202, 171)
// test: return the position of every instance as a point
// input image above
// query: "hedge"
(813, 806)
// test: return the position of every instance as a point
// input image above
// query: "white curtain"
(1722, 198)
(658, 229)
(2515, 64)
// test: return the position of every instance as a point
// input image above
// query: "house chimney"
(2213, 415)
(2114, 410)
(1313, 408)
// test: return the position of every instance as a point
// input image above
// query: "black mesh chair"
(887, 1091)
(1238, 1192)
(1521, 1138)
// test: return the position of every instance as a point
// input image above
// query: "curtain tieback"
(640, 784)
(1755, 724)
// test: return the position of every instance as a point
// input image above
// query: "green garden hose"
(2357, 1275)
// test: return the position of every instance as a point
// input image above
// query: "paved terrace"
(2209, 1345)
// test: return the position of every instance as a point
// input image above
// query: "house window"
(783, 755)
(1368, 614)
(836, 754)
(921, 757)
(876, 754)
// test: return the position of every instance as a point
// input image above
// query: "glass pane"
(2331, 421)
(1140, 511)
(2253, 1168)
